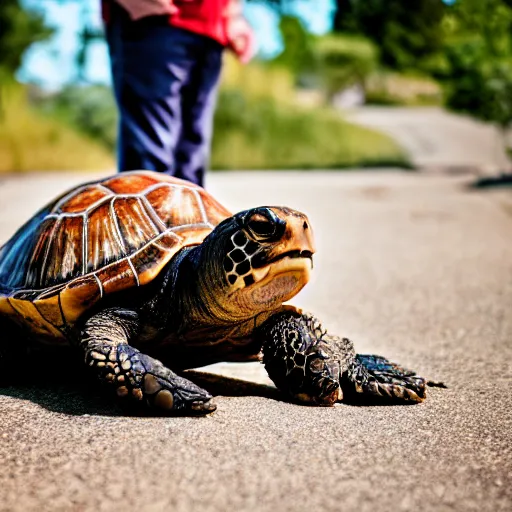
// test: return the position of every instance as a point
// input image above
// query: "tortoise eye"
(263, 224)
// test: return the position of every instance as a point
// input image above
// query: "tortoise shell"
(102, 237)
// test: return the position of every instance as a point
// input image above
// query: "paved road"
(437, 139)
(414, 267)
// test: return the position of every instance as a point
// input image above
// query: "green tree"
(488, 21)
(406, 32)
(345, 60)
(19, 28)
(479, 55)
(298, 54)
(478, 80)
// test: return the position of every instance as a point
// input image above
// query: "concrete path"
(438, 140)
(414, 267)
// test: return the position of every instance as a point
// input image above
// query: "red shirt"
(206, 17)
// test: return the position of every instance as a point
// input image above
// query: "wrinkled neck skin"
(196, 296)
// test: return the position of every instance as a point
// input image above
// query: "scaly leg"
(299, 358)
(134, 375)
(313, 366)
(375, 376)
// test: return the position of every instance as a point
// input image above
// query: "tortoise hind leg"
(133, 375)
(371, 376)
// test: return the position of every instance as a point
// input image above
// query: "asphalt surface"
(438, 139)
(414, 267)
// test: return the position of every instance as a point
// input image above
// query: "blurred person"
(166, 59)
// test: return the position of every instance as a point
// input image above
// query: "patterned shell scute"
(120, 231)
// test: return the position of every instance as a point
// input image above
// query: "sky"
(51, 64)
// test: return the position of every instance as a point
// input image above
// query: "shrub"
(478, 83)
(345, 61)
(30, 141)
(91, 109)
(259, 133)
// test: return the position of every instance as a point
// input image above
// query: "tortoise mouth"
(295, 265)
(284, 275)
(295, 254)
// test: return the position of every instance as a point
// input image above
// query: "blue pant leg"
(197, 109)
(151, 61)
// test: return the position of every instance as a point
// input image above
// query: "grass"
(262, 134)
(258, 80)
(261, 124)
(30, 141)
(404, 89)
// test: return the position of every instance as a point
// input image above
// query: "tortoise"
(147, 275)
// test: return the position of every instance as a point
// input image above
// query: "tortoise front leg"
(315, 367)
(133, 375)
(298, 357)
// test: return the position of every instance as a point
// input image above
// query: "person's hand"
(241, 39)
(172, 7)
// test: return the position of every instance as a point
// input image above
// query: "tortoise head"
(259, 258)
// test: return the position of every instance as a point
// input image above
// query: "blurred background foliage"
(286, 112)
(19, 29)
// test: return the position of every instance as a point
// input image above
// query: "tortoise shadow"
(80, 398)
(502, 180)
(60, 385)
(76, 398)
(76, 393)
(232, 387)
(65, 399)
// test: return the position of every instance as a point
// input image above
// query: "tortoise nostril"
(305, 225)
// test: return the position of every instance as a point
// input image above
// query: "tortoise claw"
(375, 377)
